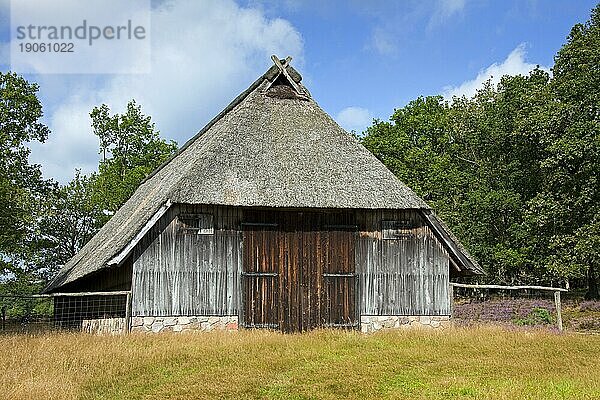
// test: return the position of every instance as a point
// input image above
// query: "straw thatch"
(271, 147)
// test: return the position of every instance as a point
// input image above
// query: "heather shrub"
(589, 305)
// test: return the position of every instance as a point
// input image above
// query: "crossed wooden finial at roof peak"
(283, 70)
(278, 62)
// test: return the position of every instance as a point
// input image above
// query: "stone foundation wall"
(180, 324)
(368, 323)
(374, 323)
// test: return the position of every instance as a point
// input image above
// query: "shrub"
(537, 316)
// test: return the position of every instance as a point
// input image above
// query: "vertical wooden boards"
(312, 263)
(260, 275)
(339, 277)
(292, 269)
(403, 269)
(106, 279)
(189, 263)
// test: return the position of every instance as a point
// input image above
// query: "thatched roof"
(273, 146)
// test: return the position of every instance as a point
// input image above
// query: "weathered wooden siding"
(382, 268)
(104, 280)
(261, 280)
(403, 270)
(183, 271)
(340, 283)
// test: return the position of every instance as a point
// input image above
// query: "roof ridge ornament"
(282, 66)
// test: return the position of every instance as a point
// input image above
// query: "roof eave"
(460, 256)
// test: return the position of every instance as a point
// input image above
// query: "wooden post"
(3, 318)
(128, 313)
(451, 296)
(558, 313)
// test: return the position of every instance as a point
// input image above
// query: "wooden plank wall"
(177, 272)
(340, 283)
(407, 275)
(106, 279)
(187, 274)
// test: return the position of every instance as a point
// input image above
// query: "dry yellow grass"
(486, 363)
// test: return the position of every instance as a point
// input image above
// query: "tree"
(131, 149)
(43, 225)
(515, 169)
(501, 129)
(70, 219)
(73, 213)
(477, 162)
(567, 209)
(21, 185)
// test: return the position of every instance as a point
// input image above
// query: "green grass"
(475, 363)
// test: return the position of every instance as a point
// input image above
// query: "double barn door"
(298, 272)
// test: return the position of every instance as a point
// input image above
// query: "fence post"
(128, 313)
(451, 298)
(558, 313)
(3, 317)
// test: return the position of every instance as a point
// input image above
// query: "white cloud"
(514, 64)
(354, 119)
(444, 10)
(203, 54)
(87, 18)
(403, 22)
(383, 42)
(71, 144)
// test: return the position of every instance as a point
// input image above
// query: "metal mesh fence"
(110, 312)
(100, 312)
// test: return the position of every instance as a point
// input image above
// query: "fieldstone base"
(374, 323)
(180, 324)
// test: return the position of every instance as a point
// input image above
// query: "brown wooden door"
(298, 273)
(301, 271)
(339, 307)
(260, 276)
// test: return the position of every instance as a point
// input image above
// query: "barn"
(273, 216)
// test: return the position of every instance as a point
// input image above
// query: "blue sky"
(359, 59)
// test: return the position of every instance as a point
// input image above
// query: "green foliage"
(131, 148)
(42, 224)
(537, 316)
(20, 308)
(20, 182)
(513, 170)
(70, 218)
(474, 163)
(569, 202)
(22, 188)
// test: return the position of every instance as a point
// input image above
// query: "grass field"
(485, 362)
